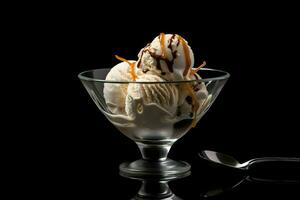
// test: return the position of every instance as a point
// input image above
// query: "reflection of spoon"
(221, 190)
(229, 161)
(154, 187)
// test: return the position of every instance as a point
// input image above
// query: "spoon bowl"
(223, 159)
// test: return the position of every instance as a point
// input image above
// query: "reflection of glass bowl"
(154, 187)
(157, 120)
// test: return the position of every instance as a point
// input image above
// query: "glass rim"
(225, 75)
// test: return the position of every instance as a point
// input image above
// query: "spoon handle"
(273, 159)
(275, 168)
(272, 180)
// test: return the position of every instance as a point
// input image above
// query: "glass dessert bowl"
(154, 114)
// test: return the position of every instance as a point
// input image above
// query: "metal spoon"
(230, 161)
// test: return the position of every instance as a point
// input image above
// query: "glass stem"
(154, 152)
(155, 190)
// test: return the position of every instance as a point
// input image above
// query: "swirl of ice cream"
(164, 95)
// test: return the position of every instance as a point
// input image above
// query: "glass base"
(165, 168)
(172, 197)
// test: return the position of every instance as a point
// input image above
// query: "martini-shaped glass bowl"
(154, 114)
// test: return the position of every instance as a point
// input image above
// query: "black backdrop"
(255, 114)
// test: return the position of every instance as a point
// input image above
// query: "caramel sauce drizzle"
(162, 45)
(187, 69)
(131, 65)
(193, 71)
(186, 55)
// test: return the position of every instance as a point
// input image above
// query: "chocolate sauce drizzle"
(187, 56)
(189, 100)
(145, 71)
(164, 58)
(143, 51)
(170, 43)
(159, 58)
(177, 42)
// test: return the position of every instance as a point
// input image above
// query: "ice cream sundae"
(155, 99)
(167, 59)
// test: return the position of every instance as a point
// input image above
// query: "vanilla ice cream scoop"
(168, 56)
(115, 93)
(164, 95)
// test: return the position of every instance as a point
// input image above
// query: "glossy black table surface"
(96, 176)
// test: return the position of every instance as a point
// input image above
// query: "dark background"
(255, 115)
